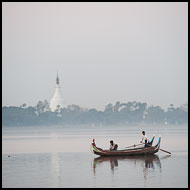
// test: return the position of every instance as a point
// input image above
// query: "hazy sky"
(103, 52)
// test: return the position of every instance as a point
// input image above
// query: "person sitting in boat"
(113, 146)
(144, 139)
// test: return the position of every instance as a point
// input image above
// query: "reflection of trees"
(146, 162)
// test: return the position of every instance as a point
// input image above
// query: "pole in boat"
(133, 145)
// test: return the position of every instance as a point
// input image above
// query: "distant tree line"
(120, 113)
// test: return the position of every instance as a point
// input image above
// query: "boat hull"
(127, 152)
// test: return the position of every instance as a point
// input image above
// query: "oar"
(165, 151)
(160, 148)
(133, 145)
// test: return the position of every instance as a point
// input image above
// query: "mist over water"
(55, 138)
(61, 157)
(123, 63)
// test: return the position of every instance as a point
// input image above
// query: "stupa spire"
(57, 79)
(57, 99)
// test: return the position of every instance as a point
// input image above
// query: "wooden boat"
(127, 152)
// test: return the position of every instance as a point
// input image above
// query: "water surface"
(61, 157)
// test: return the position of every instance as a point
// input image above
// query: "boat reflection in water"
(147, 162)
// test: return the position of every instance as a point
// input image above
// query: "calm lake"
(61, 156)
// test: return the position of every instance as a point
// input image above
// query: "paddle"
(160, 148)
(133, 145)
(165, 151)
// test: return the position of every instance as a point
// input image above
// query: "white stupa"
(57, 97)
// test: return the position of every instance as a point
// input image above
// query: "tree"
(109, 108)
(23, 106)
(46, 105)
(155, 114)
(184, 107)
(39, 107)
(116, 107)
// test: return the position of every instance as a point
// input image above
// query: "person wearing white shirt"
(144, 139)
